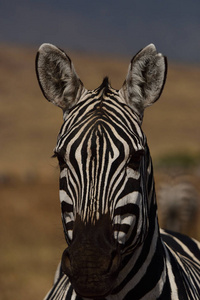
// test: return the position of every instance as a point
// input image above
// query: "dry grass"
(31, 231)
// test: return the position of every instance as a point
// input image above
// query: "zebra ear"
(57, 77)
(145, 79)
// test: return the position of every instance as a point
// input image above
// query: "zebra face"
(101, 151)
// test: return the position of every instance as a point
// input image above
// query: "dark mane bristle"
(105, 83)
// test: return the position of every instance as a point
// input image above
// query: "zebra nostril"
(66, 263)
(114, 262)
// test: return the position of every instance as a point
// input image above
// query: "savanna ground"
(31, 236)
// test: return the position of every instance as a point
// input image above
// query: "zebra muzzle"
(92, 261)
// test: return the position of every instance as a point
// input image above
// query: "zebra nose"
(92, 271)
(92, 260)
(110, 263)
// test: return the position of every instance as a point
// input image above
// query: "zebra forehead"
(102, 132)
(105, 108)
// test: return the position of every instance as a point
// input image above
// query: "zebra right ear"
(145, 79)
(57, 77)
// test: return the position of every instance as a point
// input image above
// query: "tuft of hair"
(105, 84)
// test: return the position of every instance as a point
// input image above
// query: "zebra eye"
(134, 160)
(61, 160)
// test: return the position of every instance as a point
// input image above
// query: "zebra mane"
(105, 84)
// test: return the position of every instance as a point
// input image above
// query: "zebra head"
(104, 161)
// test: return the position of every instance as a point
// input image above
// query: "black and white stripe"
(106, 174)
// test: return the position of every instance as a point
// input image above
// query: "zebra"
(178, 202)
(115, 247)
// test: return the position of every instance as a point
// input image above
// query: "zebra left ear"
(145, 79)
(57, 77)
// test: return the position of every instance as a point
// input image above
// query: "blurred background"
(100, 37)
